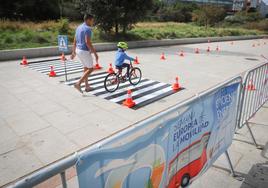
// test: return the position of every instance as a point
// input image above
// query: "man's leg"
(86, 79)
(85, 76)
(87, 87)
(87, 62)
(82, 79)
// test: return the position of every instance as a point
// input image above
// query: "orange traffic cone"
(24, 61)
(196, 51)
(208, 49)
(62, 57)
(162, 56)
(97, 66)
(136, 61)
(251, 86)
(176, 85)
(217, 48)
(52, 73)
(110, 70)
(181, 53)
(129, 101)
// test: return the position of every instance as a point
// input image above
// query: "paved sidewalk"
(42, 120)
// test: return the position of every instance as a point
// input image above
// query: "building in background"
(239, 5)
(232, 5)
(263, 8)
(226, 3)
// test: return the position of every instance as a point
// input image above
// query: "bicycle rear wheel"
(111, 82)
(135, 76)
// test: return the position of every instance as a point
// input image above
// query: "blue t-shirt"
(81, 32)
(121, 56)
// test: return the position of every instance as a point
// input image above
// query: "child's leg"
(127, 66)
(119, 68)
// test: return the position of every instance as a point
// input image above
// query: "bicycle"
(112, 80)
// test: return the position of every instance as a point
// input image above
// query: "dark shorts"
(123, 66)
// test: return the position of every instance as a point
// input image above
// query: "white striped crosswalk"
(137, 92)
(130, 87)
(146, 92)
(58, 66)
(92, 79)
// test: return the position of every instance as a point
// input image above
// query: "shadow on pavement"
(264, 152)
(257, 177)
(260, 146)
(238, 175)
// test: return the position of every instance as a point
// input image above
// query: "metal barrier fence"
(62, 165)
(254, 95)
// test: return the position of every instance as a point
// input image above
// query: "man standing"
(82, 47)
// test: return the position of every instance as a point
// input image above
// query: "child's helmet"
(122, 45)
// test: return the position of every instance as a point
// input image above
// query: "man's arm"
(91, 48)
(74, 48)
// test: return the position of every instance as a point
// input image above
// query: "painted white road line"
(124, 89)
(101, 76)
(152, 95)
(103, 89)
(138, 92)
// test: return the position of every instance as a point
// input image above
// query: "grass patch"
(15, 34)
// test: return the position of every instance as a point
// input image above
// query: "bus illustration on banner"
(188, 163)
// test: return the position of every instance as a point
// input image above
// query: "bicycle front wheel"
(135, 76)
(111, 82)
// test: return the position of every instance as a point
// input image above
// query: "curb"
(53, 50)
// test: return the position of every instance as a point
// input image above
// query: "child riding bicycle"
(133, 74)
(121, 56)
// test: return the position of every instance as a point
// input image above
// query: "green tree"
(36, 10)
(209, 15)
(29, 9)
(178, 12)
(117, 14)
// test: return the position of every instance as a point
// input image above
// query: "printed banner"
(166, 151)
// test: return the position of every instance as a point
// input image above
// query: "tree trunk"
(124, 29)
(61, 8)
(116, 27)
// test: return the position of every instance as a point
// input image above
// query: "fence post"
(230, 164)
(239, 178)
(252, 136)
(65, 70)
(63, 179)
